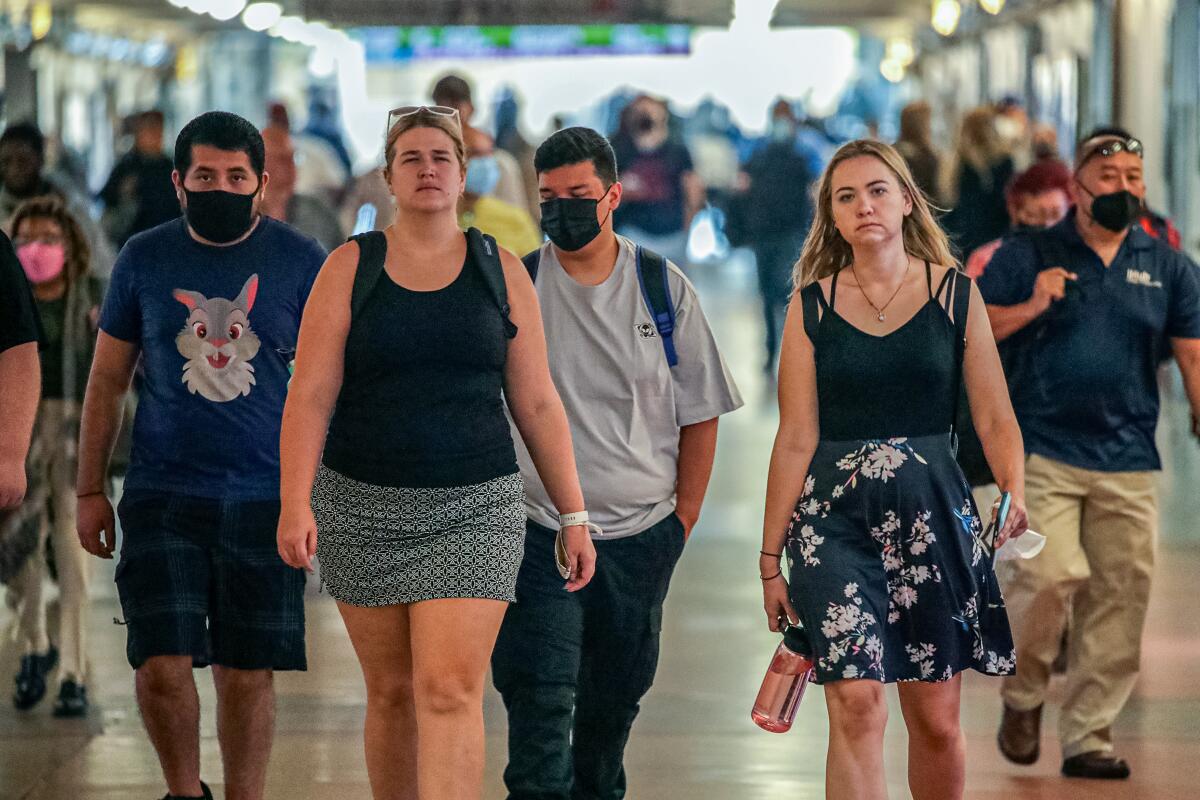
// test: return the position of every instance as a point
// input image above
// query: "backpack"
(481, 252)
(656, 293)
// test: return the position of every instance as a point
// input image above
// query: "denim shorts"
(202, 577)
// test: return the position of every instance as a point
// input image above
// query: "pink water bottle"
(783, 686)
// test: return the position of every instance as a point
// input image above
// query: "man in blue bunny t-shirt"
(211, 303)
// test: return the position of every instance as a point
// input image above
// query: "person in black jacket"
(778, 177)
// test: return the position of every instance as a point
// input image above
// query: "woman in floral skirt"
(889, 566)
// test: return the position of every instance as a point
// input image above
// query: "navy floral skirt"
(889, 572)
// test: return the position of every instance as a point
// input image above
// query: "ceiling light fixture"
(260, 16)
(945, 16)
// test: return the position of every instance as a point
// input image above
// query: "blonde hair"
(916, 124)
(978, 147)
(424, 119)
(826, 251)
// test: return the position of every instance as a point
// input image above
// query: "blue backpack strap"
(532, 261)
(656, 292)
(485, 254)
(372, 252)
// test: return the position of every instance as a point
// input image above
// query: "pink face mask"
(42, 261)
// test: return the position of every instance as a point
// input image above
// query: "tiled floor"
(694, 738)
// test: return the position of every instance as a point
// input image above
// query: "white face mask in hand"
(1027, 545)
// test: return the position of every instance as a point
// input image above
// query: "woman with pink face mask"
(54, 253)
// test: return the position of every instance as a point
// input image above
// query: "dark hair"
(1041, 177)
(224, 131)
(25, 133)
(451, 90)
(573, 146)
(150, 119)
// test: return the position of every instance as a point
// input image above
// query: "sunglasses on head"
(401, 112)
(1110, 147)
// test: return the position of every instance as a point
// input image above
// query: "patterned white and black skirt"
(889, 571)
(386, 545)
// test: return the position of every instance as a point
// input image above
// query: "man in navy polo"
(1085, 309)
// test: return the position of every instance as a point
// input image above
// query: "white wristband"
(578, 518)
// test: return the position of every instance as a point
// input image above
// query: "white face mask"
(1009, 129)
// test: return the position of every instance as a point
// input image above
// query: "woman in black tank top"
(411, 343)
(890, 571)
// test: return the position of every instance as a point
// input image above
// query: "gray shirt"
(624, 402)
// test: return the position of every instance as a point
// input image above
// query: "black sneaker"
(72, 700)
(1096, 765)
(31, 679)
(206, 796)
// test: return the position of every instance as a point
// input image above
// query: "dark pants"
(775, 255)
(573, 667)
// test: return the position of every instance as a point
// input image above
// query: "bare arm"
(21, 379)
(1187, 355)
(537, 409)
(992, 413)
(795, 443)
(697, 449)
(112, 370)
(316, 382)
(1007, 320)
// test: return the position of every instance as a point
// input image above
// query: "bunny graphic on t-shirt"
(218, 343)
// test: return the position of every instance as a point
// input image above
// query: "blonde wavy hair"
(826, 252)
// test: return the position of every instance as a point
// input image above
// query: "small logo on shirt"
(645, 330)
(1140, 278)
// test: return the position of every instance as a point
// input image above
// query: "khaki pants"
(1100, 530)
(26, 591)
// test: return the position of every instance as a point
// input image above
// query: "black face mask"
(1021, 227)
(570, 222)
(219, 216)
(1115, 211)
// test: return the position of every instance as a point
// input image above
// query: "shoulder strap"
(532, 261)
(652, 278)
(929, 278)
(812, 302)
(372, 252)
(962, 301)
(485, 254)
(833, 288)
(945, 292)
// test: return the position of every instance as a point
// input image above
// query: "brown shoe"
(1020, 735)
(1099, 765)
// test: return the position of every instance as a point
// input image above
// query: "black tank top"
(420, 404)
(880, 387)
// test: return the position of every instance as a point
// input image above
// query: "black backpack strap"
(1050, 249)
(485, 254)
(962, 304)
(532, 261)
(652, 278)
(372, 252)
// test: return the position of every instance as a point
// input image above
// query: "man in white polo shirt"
(643, 384)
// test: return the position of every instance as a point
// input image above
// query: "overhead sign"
(385, 45)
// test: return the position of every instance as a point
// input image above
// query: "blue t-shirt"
(1084, 375)
(217, 327)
